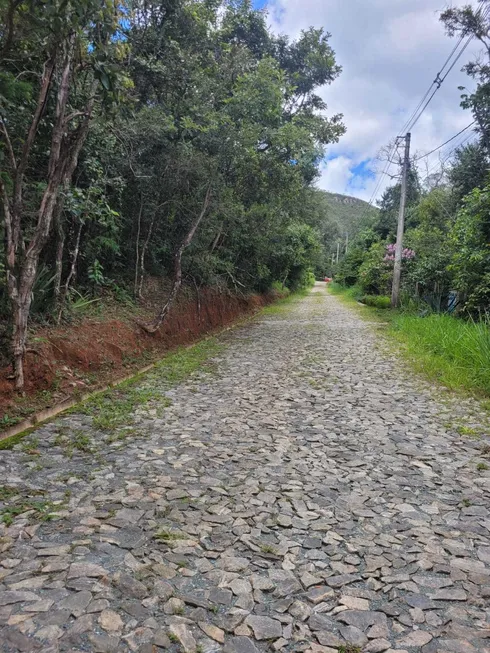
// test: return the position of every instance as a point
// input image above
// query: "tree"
(470, 261)
(65, 42)
(469, 170)
(112, 192)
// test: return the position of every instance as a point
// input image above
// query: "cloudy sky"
(390, 52)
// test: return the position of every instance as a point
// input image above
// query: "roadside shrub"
(347, 273)
(308, 279)
(352, 292)
(375, 274)
(377, 301)
(280, 289)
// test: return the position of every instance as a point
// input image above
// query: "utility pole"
(346, 241)
(338, 250)
(397, 270)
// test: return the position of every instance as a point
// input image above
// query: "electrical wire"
(445, 143)
(440, 80)
(429, 95)
(448, 155)
(384, 172)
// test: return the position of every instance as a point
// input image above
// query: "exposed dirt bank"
(93, 351)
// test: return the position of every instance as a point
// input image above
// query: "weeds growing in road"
(468, 431)
(169, 536)
(282, 305)
(116, 407)
(17, 501)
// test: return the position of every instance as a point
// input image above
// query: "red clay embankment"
(91, 352)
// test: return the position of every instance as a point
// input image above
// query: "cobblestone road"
(304, 497)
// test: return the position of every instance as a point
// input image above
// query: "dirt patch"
(73, 359)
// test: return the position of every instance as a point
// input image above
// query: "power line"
(427, 98)
(446, 142)
(437, 81)
(384, 172)
(440, 80)
(449, 155)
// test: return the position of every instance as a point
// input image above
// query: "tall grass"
(352, 292)
(447, 349)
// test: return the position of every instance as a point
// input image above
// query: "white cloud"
(390, 51)
(336, 174)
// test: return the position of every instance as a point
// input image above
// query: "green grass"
(281, 306)
(69, 440)
(17, 501)
(452, 351)
(170, 536)
(115, 407)
(445, 349)
(9, 443)
(353, 293)
(378, 301)
(468, 431)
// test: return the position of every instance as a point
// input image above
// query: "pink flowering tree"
(407, 254)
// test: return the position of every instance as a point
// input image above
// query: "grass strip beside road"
(445, 349)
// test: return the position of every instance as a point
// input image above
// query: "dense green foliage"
(194, 128)
(446, 263)
(446, 244)
(454, 352)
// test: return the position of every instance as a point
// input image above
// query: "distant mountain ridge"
(345, 199)
(350, 213)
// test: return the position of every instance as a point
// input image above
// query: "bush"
(308, 279)
(280, 289)
(470, 263)
(347, 273)
(378, 301)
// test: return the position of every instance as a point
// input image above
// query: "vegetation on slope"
(174, 138)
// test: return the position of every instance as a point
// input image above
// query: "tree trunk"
(142, 258)
(137, 247)
(20, 316)
(64, 154)
(21, 308)
(60, 248)
(198, 301)
(177, 276)
(72, 273)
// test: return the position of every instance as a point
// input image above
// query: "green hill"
(350, 213)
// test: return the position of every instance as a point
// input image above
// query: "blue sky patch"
(364, 169)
